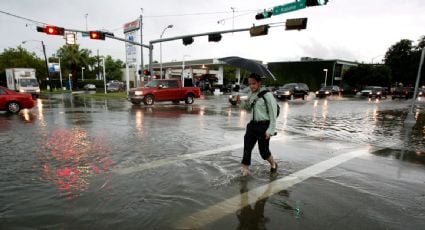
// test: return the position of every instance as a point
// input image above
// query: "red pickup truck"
(163, 90)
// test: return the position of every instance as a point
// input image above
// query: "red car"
(13, 102)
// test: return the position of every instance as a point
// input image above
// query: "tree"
(403, 59)
(113, 68)
(364, 75)
(73, 58)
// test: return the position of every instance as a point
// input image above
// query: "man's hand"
(267, 136)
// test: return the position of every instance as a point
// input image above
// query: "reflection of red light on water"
(70, 158)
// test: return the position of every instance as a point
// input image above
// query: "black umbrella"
(248, 64)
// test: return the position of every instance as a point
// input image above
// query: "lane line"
(173, 159)
(230, 206)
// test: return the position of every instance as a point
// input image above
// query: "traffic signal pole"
(184, 36)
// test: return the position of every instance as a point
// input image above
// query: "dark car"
(403, 92)
(291, 91)
(374, 92)
(328, 91)
(115, 86)
(378, 92)
(13, 102)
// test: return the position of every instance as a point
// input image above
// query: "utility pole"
(47, 65)
(141, 48)
(98, 64)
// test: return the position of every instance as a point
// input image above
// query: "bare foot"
(245, 171)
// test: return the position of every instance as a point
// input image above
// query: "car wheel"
(149, 100)
(233, 102)
(13, 107)
(303, 97)
(189, 99)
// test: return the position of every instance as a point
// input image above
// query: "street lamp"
(326, 75)
(160, 49)
(104, 74)
(45, 60)
(82, 73)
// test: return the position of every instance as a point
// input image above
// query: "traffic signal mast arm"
(49, 30)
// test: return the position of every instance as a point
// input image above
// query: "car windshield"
(287, 86)
(28, 82)
(327, 88)
(152, 84)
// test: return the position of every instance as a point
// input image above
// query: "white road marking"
(169, 160)
(204, 217)
(173, 159)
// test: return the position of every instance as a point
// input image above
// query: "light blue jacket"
(259, 111)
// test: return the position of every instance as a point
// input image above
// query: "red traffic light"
(51, 30)
(98, 35)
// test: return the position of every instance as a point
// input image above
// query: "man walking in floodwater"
(262, 125)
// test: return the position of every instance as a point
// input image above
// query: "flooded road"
(74, 162)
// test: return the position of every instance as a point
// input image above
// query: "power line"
(20, 17)
(196, 14)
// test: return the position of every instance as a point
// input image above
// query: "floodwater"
(78, 163)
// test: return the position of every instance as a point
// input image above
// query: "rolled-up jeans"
(256, 131)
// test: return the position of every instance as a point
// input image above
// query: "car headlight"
(326, 92)
(138, 93)
(22, 91)
(378, 93)
(37, 90)
(286, 93)
(317, 92)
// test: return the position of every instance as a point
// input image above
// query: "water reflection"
(252, 217)
(69, 158)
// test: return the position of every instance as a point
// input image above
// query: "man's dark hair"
(255, 76)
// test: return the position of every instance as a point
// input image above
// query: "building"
(312, 71)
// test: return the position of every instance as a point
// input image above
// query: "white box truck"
(23, 80)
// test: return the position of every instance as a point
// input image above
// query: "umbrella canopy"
(250, 65)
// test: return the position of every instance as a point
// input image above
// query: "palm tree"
(73, 58)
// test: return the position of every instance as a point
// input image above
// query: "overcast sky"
(361, 30)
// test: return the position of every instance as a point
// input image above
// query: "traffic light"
(214, 37)
(263, 15)
(296, 24)
(146, 72)
(315, 2)
(51, 30)
(98, 35)
(187, 40)
(259, 30)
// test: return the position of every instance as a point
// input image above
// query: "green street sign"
(293, 6)
(84, 34)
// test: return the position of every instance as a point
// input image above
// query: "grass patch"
(102, 95)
